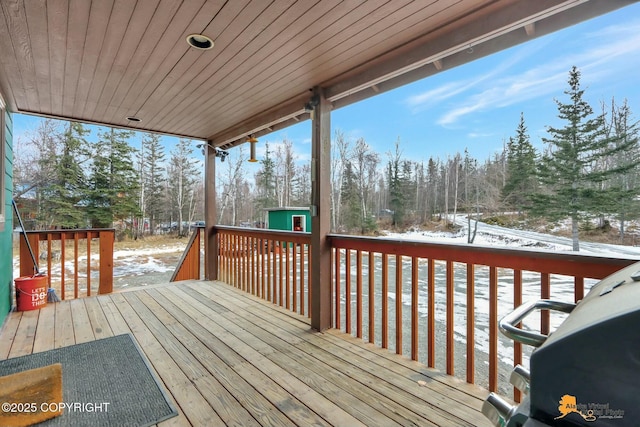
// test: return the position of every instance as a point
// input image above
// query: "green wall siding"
(6, 251)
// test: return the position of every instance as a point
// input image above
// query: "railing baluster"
(545, 293)
(302, 248)
(88, 263)
(517, 346)
(229, 255)
(238, 262)
(274, 271)
(49, 257)
(262, 269)
(372, 294)
(280, 274)
(450, 319)
(398, 304)
(338, 302)
(359, 294)
(471, 323)
(493, 328)
(244, 262)
(294, 291)
(309, 289)
(287, 295)
(248, 253)
(385, 302)
(63, 241)
(431, 314)
(414, 308)
(347, 290)
(75, 265)
(578, 289)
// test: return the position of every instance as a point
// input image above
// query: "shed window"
(298, 223)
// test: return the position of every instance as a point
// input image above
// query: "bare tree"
(231, 183)
(365, 164)
(285, 172)
(34, 164)
(340, 152)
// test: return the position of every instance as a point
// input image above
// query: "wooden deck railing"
(62, 253)
(436, 303)
(273, 265)
(189, 265)
(441, 278)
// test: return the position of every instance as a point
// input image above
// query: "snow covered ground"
(494, 235)
(488, 236)
(131, 267)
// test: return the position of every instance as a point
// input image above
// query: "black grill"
(585, 373)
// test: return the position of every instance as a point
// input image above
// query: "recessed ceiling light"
(133, 119)
(199, 41)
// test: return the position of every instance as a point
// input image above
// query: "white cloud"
(598, 55)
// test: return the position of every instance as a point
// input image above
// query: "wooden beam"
(293, 108)
(450, 40)
(210, 237)
(320, 214)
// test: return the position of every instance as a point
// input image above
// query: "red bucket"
(31, 292)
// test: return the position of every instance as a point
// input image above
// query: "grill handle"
(508, 323)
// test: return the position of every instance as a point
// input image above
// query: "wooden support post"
(210, 237)
(320, 211)
(27, 267)
(105, 285)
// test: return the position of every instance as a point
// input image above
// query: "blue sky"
(477, 106)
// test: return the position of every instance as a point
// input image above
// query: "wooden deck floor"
(227, 358)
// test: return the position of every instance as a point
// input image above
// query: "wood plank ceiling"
(101, 61)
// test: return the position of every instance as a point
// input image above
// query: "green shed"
(289, 218)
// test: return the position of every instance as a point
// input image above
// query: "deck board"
(228, 358)
(45, 333)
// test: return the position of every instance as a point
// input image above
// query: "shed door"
(299, 223)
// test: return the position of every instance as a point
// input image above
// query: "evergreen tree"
(113, 191)
(351, 209)
(433, 184)
(154, 178)
(397, 186)
(567, 170)
(63, 197)
(521, 169)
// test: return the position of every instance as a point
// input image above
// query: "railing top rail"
(70, 230)
(592, 266)
(282, 235)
